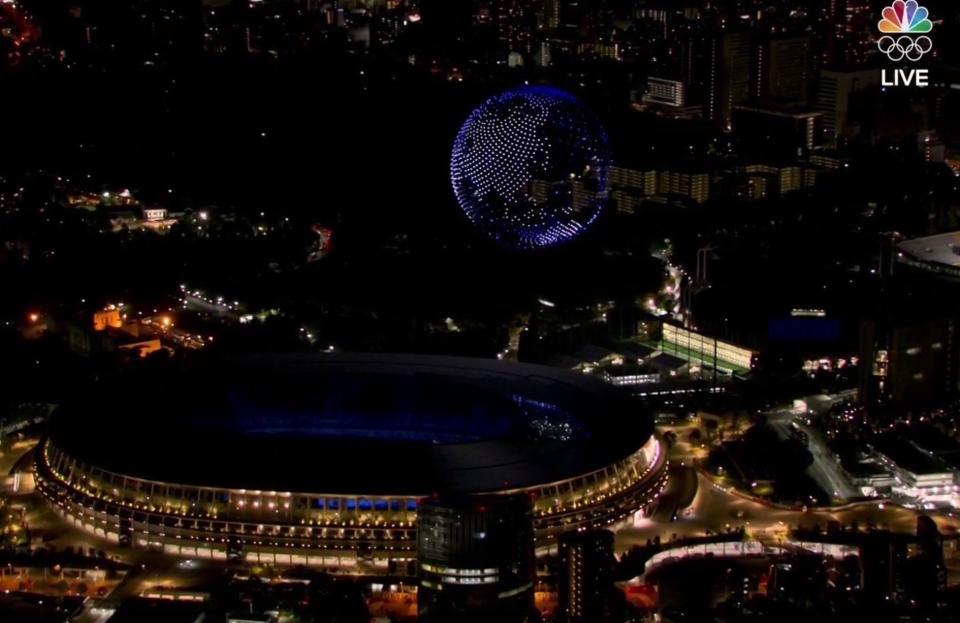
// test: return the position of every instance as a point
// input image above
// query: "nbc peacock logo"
(905, 24)
(906, 17)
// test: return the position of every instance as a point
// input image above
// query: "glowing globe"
(529, 167)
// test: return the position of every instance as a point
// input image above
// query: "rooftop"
(939, 249)
(352, 424)
(906, 456)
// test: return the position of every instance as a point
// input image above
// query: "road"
(716, 510)
(825, 470)
(679, 494)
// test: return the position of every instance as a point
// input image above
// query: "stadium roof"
(353, 424)
(943, 249)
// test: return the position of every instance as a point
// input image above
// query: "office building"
(475, 559)
(908, 361)
(836, 91)
(728, 75)
(665, 92)
(776, 131)
(586, 576)
(784, 69)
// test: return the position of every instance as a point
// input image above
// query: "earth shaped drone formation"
(529, 167)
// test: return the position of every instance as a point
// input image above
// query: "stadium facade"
(317, 459)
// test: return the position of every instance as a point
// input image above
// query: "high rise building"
(475, 559)
(694, 59)
(776, 131)
(728, 82)
(882, 558)
(927, 573)
(549, 16)
(784, 69)
(908, 361)
(836, 89)
(586, 576)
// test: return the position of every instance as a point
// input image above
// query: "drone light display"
(529, 167)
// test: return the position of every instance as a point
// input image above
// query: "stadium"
(322, 459)
(936, 254)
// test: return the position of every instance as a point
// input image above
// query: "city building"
(908, 361)
(586, 576)
(776, 131)
(244, 429)
(728, 74)
(668, 366)
(770, 181)
(475, 559)
(784, 69)
(697, 348)
(828, 159)
(693, 185)
(152, 214)
(918, 476)
(107, 318)
(837, 89)
(665, 92)
(643, 182)
(629, 374)
(927, 572)
(549, 15)
(882, 558)
(630, 187)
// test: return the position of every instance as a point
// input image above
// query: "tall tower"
(728, 73)
(475, 559)
(784, 69)
(834, 98)
(550, 14)
(586, 576)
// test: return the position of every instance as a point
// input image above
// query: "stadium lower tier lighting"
(280, 470)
